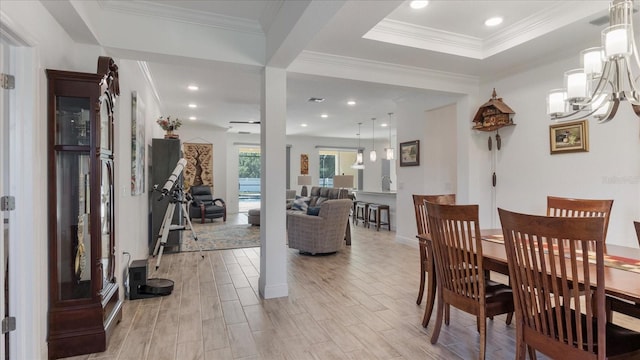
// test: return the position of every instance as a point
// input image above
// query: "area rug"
(219, 237)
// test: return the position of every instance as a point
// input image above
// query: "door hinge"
(7, 203)
(7, 81)
(8, 324)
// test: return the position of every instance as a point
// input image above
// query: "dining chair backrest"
(421, 210)
(541, 270)
(568, 207)
(637, 225)
(455, 234)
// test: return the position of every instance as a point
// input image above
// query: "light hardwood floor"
(356, 304)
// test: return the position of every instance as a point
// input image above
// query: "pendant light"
(372, 155)
(359, 164)
(389, 150)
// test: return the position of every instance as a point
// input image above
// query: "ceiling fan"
(245, 122)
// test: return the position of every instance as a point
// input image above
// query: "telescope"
(168, 185)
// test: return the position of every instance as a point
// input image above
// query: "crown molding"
(552, 18)
(541, 23)
(316, 63)
(153, 9)
(422, 37)
(144, 68)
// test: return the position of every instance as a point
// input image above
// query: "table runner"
(617, 262)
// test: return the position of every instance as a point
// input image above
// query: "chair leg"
(436, 330)
(422, 272)
(532, 353)
(447, 314)
(509, 318)
(431, 294)
(483, 336)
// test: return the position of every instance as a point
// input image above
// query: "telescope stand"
(167, 226)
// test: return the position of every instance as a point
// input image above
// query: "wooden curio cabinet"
(84, 304)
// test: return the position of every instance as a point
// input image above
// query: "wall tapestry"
(137, 144)
(304, 164)
(199, 169)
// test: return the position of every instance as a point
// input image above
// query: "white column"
(273, 252)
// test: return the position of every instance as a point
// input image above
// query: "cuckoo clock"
(493, 115)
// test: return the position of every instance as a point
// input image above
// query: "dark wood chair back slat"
(421, 210)
(637, 225)
(568, 207)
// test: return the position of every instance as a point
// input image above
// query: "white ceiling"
(447, 36)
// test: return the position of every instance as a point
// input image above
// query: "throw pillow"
(300, 204)
(315, 211)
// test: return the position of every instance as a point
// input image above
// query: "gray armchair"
(319, 234)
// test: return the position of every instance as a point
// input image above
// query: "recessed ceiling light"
(193, 87)
(193, 118)
(303, 125)
(324, 116)
(384, 124)
(416, 4)
(351, 102)
(193, 106)
(251, 121)
(494, 21)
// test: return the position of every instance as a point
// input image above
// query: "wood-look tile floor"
(356, 304)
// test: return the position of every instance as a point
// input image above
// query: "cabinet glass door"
(73, 121)
(107, 251)
(73, 228)
(106, 106)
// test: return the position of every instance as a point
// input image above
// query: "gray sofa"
(319, 234)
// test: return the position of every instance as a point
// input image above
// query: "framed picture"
(137, 144)
(569, 137)
(410, 153)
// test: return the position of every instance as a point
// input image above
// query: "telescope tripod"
(176, 198)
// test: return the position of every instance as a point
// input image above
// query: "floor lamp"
(304, 180)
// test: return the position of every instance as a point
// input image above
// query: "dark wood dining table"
(623, 284)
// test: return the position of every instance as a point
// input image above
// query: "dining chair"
(425, 261)
(551, 316)
(637, 225)
(457, 249)
(568, 207)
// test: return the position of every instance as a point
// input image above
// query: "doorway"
(248, 179)
(6, 201)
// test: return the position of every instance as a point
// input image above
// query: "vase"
(170, 135)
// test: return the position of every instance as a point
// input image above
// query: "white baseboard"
(274, 291)
(413, 242)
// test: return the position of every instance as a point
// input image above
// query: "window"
(336, 162)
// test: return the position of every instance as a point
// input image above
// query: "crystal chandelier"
(359, 164)
(607, 76)
(389, 150)
(372, 155)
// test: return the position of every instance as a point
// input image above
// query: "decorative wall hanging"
(304, 164)
(199, 169)
(569, 137)
(137, 145)
(491, 116)
(410, 153)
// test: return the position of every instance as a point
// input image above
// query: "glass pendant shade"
(359, 156)
(389, 152)
(592, 62)
(556, 102)
(373, 156)
(617, 41)
(359, 164)
(576, 84)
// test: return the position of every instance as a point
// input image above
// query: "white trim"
(144, 68)
(413, 242)
(155, 9)
(275, 291)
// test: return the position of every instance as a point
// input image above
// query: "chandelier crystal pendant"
(359, 164)
(372, 155)
(609, 74)
(389, 150)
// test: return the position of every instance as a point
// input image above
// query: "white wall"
(527, 173)
(437, 173)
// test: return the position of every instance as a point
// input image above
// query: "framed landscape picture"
(410, 153)
(569, 137)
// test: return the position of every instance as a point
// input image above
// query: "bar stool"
(361, 211)
(375, 216)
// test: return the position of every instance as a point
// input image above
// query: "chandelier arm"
(602, 83)
(612, 112)
(566, 117)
